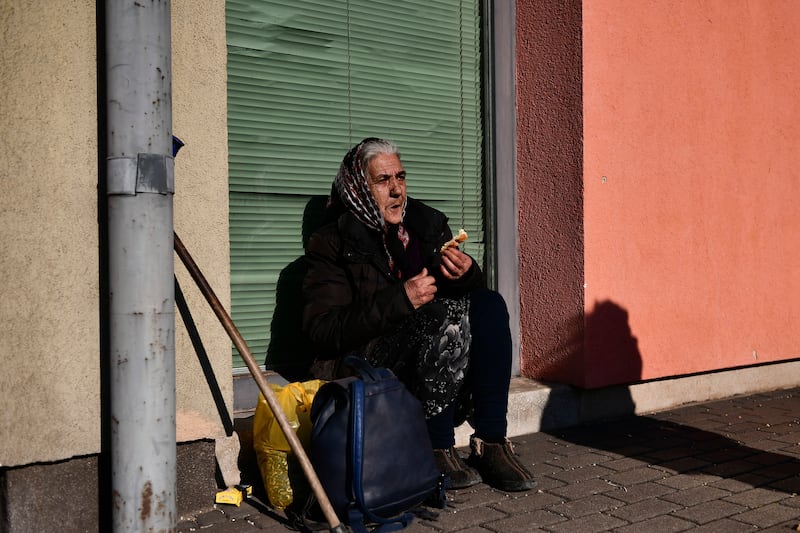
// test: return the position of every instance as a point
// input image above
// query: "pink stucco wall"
(691, 189)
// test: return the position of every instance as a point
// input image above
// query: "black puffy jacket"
(350, 294)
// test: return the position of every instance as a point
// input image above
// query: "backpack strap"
(359, 511)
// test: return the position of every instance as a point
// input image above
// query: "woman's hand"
(420, 289)
(455, 263)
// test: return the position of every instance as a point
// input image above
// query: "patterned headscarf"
(351, 185)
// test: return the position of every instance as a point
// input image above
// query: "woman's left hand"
(455, 263)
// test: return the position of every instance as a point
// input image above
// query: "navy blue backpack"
(371, 451)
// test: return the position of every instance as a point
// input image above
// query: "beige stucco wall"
(199, 100)
(49, 310)
(50, 384)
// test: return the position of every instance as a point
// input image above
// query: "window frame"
(500, 162)
(500, 137)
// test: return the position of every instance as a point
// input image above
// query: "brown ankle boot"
(498, 465)
(461, 475)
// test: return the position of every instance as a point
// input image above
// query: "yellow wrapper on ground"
(272, 449)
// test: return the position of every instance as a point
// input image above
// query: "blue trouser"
(489, 373)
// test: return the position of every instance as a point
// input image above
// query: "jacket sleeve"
(337, 316)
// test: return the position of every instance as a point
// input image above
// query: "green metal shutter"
(309, 80)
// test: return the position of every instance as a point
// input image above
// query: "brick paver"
(729, 465)
(709, 511)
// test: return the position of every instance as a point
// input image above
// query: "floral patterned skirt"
(429, 352)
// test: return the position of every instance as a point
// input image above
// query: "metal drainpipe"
(142, 322)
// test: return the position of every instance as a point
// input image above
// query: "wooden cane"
(263, 386)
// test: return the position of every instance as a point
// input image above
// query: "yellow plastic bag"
(275, 457)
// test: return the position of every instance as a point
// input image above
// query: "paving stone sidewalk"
(724, 466)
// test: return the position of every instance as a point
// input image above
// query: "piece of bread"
(455, 241)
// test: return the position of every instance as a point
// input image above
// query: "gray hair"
(374, 146)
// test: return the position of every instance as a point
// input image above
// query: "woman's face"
(387, 183)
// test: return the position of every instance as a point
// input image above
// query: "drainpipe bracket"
(153, 173)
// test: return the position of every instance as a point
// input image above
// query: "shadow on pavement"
(685, 449)
(750, 440)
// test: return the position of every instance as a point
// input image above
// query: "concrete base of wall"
(535, 406)
(66, 496)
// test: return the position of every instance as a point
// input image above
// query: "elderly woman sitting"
(380, 285)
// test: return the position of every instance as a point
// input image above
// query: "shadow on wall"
(611, 351)
(289, 353)
(597, 358)
(593, 350)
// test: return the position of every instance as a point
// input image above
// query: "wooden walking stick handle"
(263, 386)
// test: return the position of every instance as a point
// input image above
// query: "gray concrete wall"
(64, 496)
